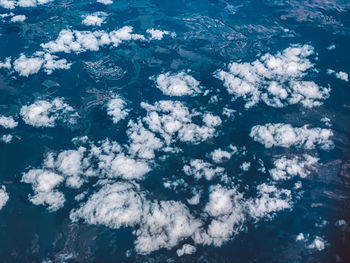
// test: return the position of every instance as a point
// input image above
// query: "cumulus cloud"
(157, 34)
(81, 41)
(284, 135)
(116, 108)
(8, 122)
(44, 113)
(6, 64)
(179, 84)
(277, 80)
(11, 4)
(95, 19)
(105, 2)
(18, 18)
(26, 66)
(199, 169)
(6, 138)
(318, 243)
(4, 197)
(173, 120)
(143, 143)
(285, 168)
(186, 249)
(128, 168)
(44, 183)
(340, 75)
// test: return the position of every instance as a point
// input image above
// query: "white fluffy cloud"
(199, 169)
(340, 75)
(318, 243)
(284, 135)
(8, 122)
(286, 168)
(18, 18)
(44, 113)
(6, 138)
(26, 66)
(186, 249)
(95, 19)
(11, 4)
(179, 84)
(105, 2)
(81, 41)
(116, 108)
(157, 34)
(275, 79)
(6, 64)
(4, 197)
(173, 120)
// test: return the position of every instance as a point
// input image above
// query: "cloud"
(26, 66)
(4, 197)
(318, 243)
(245, 166)
(96, 19)
(44, 113)
(11, 4)
(276, 80)
(6, 64)
(285, 168)
(44, 183)
(18, 18)
(81, 41)
(179, 84)
(7, 138)
(199, 169)
(8, 122)
(173, 120)
(339, 75)
(284, 135)
(157, 34)
(116, 108)
(105, 2)
(186, 249)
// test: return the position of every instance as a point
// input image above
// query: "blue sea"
(174, 131)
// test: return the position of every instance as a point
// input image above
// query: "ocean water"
(174, 131)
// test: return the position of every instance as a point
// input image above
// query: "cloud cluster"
(276, 80)
(11, 4)
(179, 84)
(285, 135)
(4, 197)
(285, 168)
(44, 113)
(116, 108)
(26, 66)
(18, 18)
(157, 34)
(75, 41)
(201, 169)
(173, 120)
(95, 19)
(340, 75)
(8, 122)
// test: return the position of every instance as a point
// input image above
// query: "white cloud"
(173, 120)
(286, 168)
(200, 169)
(6, 64)
(4, 197)
(245, 166)
(319, 243)
(26, 66)
(18, 18)
(7, 138)
(11, 4)
(105, 2)
(285, 135)
(116, 108)
(143, 143)
(44, 113)
(128, 168)
(275, 79)
(218, 155)
(95, 19)
(340, 75)
(157, 34)
(44, 183)
(186, 249)
(8, 122)
(179, 84)
(81, 41)
(300, 237)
